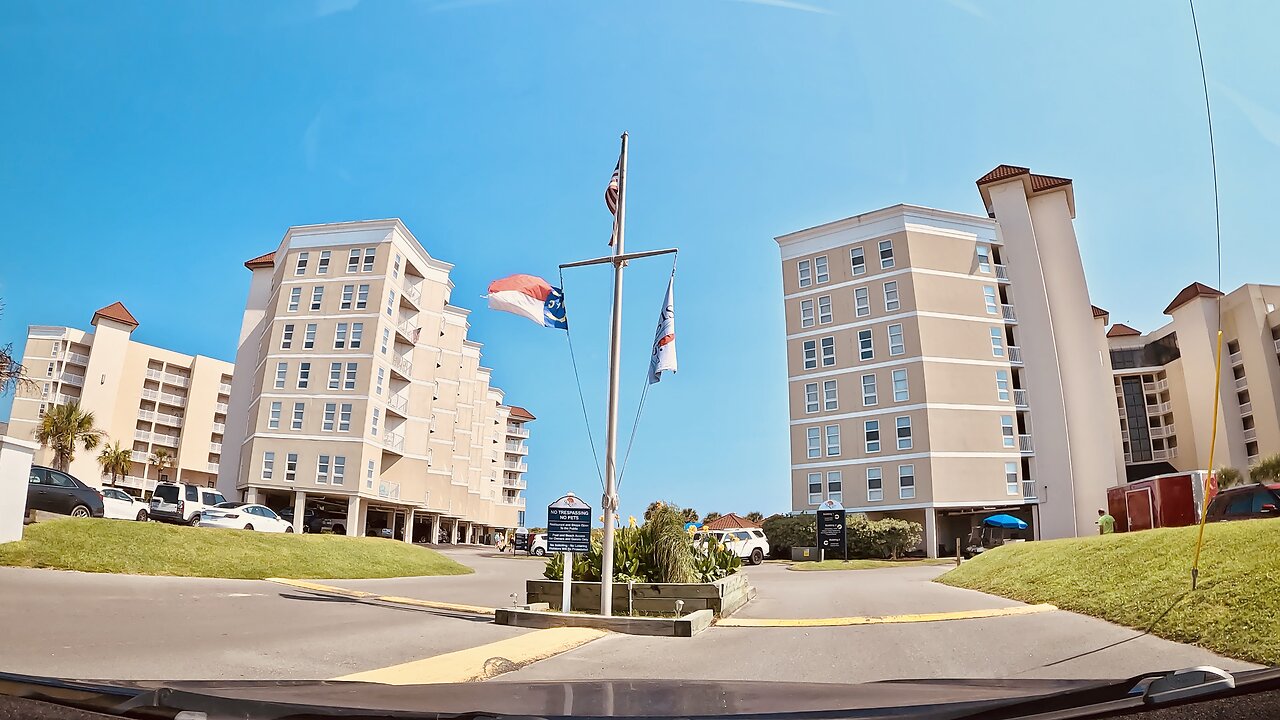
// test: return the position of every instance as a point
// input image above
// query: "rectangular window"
(291, 467)
(322, 470)
(368, 259)
(1011, 478)
(820, 269)
(43, 407)
(309, 337)
(811, 397)
(339, 469)
(335, 376)
(1006, 431)
(353, 261)
(886, 254)
(835, 491)
(815, 488)
(391, 301)
(49, 371)
(373, 425)
(891, 296)
(871, 431)
(340, 336)
(984, 259)
(1002, 385)
(299, 410)
(295, 297)
(813, 442)
(997, 342)
(906, 481)
(833, 440)
(44, 395)
(824, 309)
(875, 484)
(304, 375)
(282, 369)
(903, 425)
(268, 464)
(828, 351)
(286, 337)
(348, 295)
(317, 297)
(382, 373)
(395, 268)
(301, 269)
(901, 393)
(362, 297)
(806, 314)
(989, 299)
(869, 390)
(829, 398)
(350, 384)
(896, 346)
(386, 338)
(344, 418)
(865, 349)
(369, 480)
(810, 354)
(273, 420)
(805, 272)
(330, 415)
(861, 302)
(857, 260)
(322, 267)
(357, 335)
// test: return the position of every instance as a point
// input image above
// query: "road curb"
(887, 619)
(393, 599)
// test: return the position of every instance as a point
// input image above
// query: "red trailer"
(1162, 501)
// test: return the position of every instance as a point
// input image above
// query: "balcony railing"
(514, 483)
(1157, 386)
(515, 466)
(393, 441)
(518, 448)
(1160, 408)
(517, 431)
(1024, 444)
(61, 399)
(389, 490)
(1246, 408)
(1236, 358)
(1168, 454)
(1029, 489)
(166, 440)
(154, 374)
(1006, 311)
(170, 398)
(215, 447)
(1160, 431)
(220, 407)
(1020, 398)
(220, 428)
(72, 379)
(138, 456)
(413, 293)
(402, 365)
(212, 467)
(1250, 434)
(224, 389)
(179, 380)
(142, 435)
(398, 404)
(407, 328)
(1242, 383)
(1015, 355)
(76, 358)
(1002, 273)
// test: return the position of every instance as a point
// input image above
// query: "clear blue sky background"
(148, 148)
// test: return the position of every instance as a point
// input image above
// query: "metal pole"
(610, 501)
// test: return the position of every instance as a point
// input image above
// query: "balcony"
(1029, 489)
(402, 365)
(398, 404)
(1025, 445)
(388, 490)
(220, 428)
(72, 379)
(1015, 355)
(1169, 454)
(224, 389)
(215, 447)
(1161, 431)
(138, 456)
(413, 293)
(76, 358)
(165, 440)
(1246, 408)
(517, 431)
(393, 441)
(1020, 398)
(154, 374)
(171, 399)
(1002, 273)
(515, 466)
(179, 380)
(1160, 408)
(212, 468)
(61, 399)
(1157, 386)
(142, 436)
(517, 448)
(220, 407)
(1006, 311)
(1236, 358)
(514, 483)
(408, 328)
(1250, 434)
(1242, 383)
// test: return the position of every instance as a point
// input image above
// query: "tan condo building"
(1164, 382)
(149, 399)
(929, 376)
(358, 395)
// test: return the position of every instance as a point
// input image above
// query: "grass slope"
(151, 548)
(868, 564)
(1143, 580)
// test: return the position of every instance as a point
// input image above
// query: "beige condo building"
(926, 373)
(147, 398)
(1164, 382)
(358, 393)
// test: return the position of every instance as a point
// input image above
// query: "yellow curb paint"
(394, 599)
(481, 662)
(886, 619)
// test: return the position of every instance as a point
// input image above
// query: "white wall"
(15, 467)
(238, 421)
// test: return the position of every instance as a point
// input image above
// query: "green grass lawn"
(1143, 580)
(869, 564)
(152, 548)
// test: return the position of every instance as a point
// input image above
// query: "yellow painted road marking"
(482, 662)
(885, 619)
(395, 599)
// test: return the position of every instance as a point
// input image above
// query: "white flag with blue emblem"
(664, 340)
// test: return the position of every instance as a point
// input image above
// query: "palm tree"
(1227, 476)
(161, 459)
(755, 516)
(653, 508)
(115, 461)
(1266, 470)
(689, 515)
(710, 516)
(65, 426)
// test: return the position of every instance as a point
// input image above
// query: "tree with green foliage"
(161, 459)
(62, 428)
(653, 507)
(1266, 470)
(689, 514)
(710, 516)
(1227, 477)
(755, 516)
(115, 461)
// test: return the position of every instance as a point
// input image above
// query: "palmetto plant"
(755, 516)
(115, 461)
(1266, 470)
(1227, 476)
(161, 459)
(62, 428)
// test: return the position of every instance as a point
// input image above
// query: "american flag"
(611, 198)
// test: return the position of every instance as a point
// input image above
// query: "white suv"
(750, 543)
(182, 502)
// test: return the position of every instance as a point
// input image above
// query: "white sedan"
(120, 505)
(244, 516)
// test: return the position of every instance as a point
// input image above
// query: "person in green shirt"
(1106, 523)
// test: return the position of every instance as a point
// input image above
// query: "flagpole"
(609, 504)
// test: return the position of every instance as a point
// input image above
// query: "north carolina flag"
(531, 297)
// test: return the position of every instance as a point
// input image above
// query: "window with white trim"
(373, 425)
(820, 269)
(268, 464)
(901, 392)
(807, 318)
(44, 407)
(299, 410)
(286, 337)
(835, 489)
(1011, 478)
(368, 259)
(340, 336)
(395, 267)
(811, 397)
(997, 342)
(362, 297)
(1006, 431)
(386, 338)
(291, 467)
(903, 426)
(906, 481)
(875, 484)
(330, 415)
(1002, 385)
(984, 258)
(861, 302)
(295, 297)
(805, 273)
(857, 260)
(815, 488)
(891, 301)
(322, 267)
(309, 337)
(344, 417)
(896, 345)
(810, 354)
(813, 442)
(871, 435)
(322, 470)
(357, 335)
(339, 469)
(317, 297)
(828, 351)
(301, 269)
(382, 373)
(831, 401)
(866, 351)
(49, 371)
(989, 299)
(369, 480)
(273, 418)
(48, 387)
(304, 375)
(353, 262)
(350, 384)
(869, 390)
(833, 440)
(282, 369)
(391, 301)
(886, 254)
(348, 297)
(824, 309)
(335, 376)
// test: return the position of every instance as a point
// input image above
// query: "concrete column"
(930, 532)
(299, 511)
(355, 516)
(408, 527)
(15, 468)
(470, 535)
(251, 496)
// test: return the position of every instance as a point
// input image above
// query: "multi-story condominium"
(149, 399)
(357, 392)
(925, 377)
(1164, 382)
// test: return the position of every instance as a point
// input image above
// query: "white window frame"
(813, 442)
(369, 480)
(304, 375)
(905, 491)
(1002, 385)
(335, 376)
(824, 310)
(807, 316)
(329, 421)
(899, 348)
(373, 423)
(301, 268)
(1008, 431)
(891, 300)
(861, 302)
(369, 256)
(886, 261)
(875, 494)
(268, 464)
(295, 299)
(984, 258)
(386, 339)
(357, 335)
(828, 345)
(997, 342)
(317, 298)
(349, 383)
(353, 261)
(348, 297)
(391, 302)
(309, 336)
(899, 377)
(836, 478)
(866, 345)
(322, 469)
(990, 300)
(286, 337)
(395, 268)
(282, 375)
(344, 417)
(273, 415)
(339, 469)
(382, 375)
(904, 442)
(814, 497)
(340, 336)
(810, 350)
(299, 416)
(821, 271)
(869, 427)
(832, 437)
(830, 395)
(362, 297)
(869, 395)
(1012, 486)
(291, 467)
(804, 273)
(811, 400)
(857, 261)
(322, 265)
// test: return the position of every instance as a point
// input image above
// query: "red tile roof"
(1189, 293)
(1099, 312)
(262, 261)
(1047, 182)
(519, 413)
(1002, 172)
(115, 311)
(729, 522)
(1122, 330)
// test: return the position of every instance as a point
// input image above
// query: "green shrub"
(887, 538)
(787, 531)
(658, 551)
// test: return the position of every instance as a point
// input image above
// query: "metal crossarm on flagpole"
(619, 258)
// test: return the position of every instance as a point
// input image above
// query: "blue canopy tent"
(1007, 522)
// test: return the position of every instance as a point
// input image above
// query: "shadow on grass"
(1145, 632)
(374, 602)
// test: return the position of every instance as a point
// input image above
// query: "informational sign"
(568, 525)
(521, 540)
(831, 533)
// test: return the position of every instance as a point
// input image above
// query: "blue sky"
(149, 148)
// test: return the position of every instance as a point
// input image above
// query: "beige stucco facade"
(359, 392)
(146, 398)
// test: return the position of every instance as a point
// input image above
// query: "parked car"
(120, 505)
(750, 543)
(57, 492)
(1245, 502)
(182, 502)
(244, 516)
(538, 544)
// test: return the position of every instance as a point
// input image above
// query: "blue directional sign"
(568, 526)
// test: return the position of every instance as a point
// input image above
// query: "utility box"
(805, 554)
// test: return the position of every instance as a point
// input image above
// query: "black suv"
(1245, 502)
(57, 492)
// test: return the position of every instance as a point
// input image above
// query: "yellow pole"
(1213, 444)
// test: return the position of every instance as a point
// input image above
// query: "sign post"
(568, 532)
(520, 541)
(831, 533)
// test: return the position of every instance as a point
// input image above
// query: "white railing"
(146, 415)
(393, 441)
(1250, 434)
(389, 490)
(1169, 454)
(1002, 272)
(138, 456)
(514, 483)
(413, 292)
(517, 431)
(179, 380)
(1277, 344)
(154, 374)
(1124, 433)
(406, 328)
(173, 399)
(150, 394)
(518, 448)
(1015, 355)
(398, 403)
(220, 407)
(78, 359)
(1236, 358)
(1128, 457)
(1160, 431)
(1119, 391)
(61, 399)
(224, 389)
(1242, 383)
(1024, 444)
(142, 435)
(212, 467)
(1157, 386)
(1028, 488)
(1160, 408)
(215, 447)
(1020, 398)
(73, 379)
(1006, 311)
(220, 428)
(166, 440)
(402, 364)
(515, 466)
(1246, 408)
